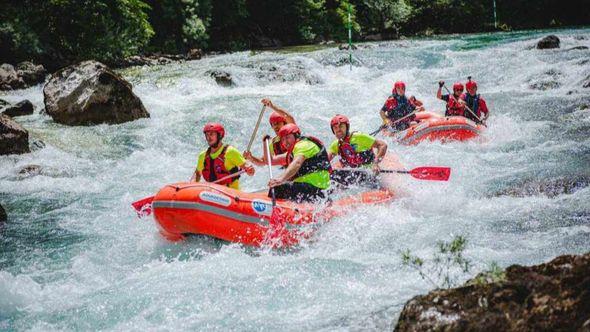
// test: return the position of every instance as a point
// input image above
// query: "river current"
(74, 256)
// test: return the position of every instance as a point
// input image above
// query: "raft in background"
(433, 127)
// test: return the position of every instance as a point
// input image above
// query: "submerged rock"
(553, 296)
(586, 83)
(24, 107)
(14, 139)
(29, 171)
(346, 47)
(548, 187)
(577, 48)
(90, 93)
(222, 78)
(3, 216)
(548, 42)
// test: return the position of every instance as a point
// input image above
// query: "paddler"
(307, 176)
(356, 150)
(220, 160)
(397, 110)
(278, 118)
(453, 107)
(474, 102)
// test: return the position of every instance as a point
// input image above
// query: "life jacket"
(349, 157)
(319, 162)
(473, 103)
(453, 107)
(215, 168)
(277, 146)
(398, 107)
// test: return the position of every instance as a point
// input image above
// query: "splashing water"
(74, 256)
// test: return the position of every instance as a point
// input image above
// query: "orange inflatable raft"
(242, 217)
(433, 127)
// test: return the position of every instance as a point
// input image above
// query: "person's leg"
(299, 192)
(361, 177)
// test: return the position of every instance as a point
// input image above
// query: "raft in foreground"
(433, 127)
(236, 216)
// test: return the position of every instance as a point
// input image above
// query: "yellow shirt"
(233, 158)
(308, 149)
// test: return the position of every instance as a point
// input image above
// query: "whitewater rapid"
(73, 255)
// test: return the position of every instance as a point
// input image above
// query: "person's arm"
(439, 92)
(291, 170)
(255, 160)
(196, 176)
(281, 111)
(236, 159)
(381, 147)
(384, 117)
(484, 109)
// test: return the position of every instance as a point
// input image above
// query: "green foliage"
(443, 270)
(494, 274)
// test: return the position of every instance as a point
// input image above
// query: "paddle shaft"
(467, 107)
(269, 160)
(391, 124)
(256, 128)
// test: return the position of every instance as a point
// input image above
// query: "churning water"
(73, 255)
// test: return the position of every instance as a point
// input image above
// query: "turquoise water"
(73, 255)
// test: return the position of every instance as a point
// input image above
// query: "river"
(74, 256)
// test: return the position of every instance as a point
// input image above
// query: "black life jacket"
(215, 168)
(453, 107)
(473, 104)
(319, 162)
(349, 157)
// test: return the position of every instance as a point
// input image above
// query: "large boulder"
(24, 107)
(14, 139)
(90, 93)
(222, 78)
(554, 296)
(550, 41)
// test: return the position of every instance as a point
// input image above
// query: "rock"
(14, 139)
(24, 107)
(553, 296)
(194, 54)
(9, 78)
(3, 216)
(346, 47)
(31, 73)
(90, 93)
(29, 171)
(222, 78)
(580, 38)
(577, 48)
(547, 85)
(548, 187)
(548, 42)
(260, 41)
(586, 82)
(3, 103)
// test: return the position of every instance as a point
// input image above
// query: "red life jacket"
(277, 147)
(319, 162)
(349, 157)
(453, 107)
(215, 168)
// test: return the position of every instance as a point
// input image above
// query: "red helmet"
(470, 84)
(216, 127)
(289, 128)
(338, 119)
(276, 117)
(399, 84)
(458, 86)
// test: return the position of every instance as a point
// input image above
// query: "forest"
(59, 32)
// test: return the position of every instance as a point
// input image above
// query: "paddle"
(143, 207)
(275, 217)
(256, 128)
(391, 124)
(433, 173)
(467, 107)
